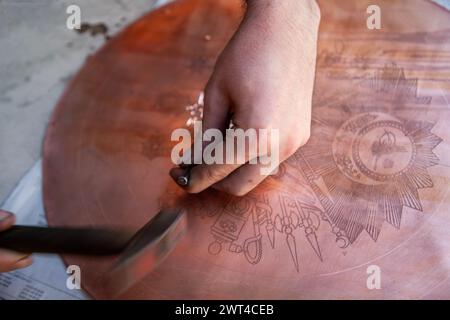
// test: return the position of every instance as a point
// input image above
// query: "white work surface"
(47, 277)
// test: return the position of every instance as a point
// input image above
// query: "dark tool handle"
(83, 241)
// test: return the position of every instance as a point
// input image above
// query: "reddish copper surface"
(370, 188)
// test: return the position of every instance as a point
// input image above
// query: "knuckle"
(305, 137)
(296, 142)
(291, 147)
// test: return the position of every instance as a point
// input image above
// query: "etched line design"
(373, 160)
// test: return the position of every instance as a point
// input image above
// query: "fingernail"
(24, 262)
(24, 257)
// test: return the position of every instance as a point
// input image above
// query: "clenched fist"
(262, 80)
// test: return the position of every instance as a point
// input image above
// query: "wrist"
(287, 15)
(309, 7)
(283, 19)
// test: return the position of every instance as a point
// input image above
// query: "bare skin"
(263, 79)
(11, 260)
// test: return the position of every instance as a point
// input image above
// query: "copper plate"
(368, 193)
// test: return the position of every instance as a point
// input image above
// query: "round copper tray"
(367, 195)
